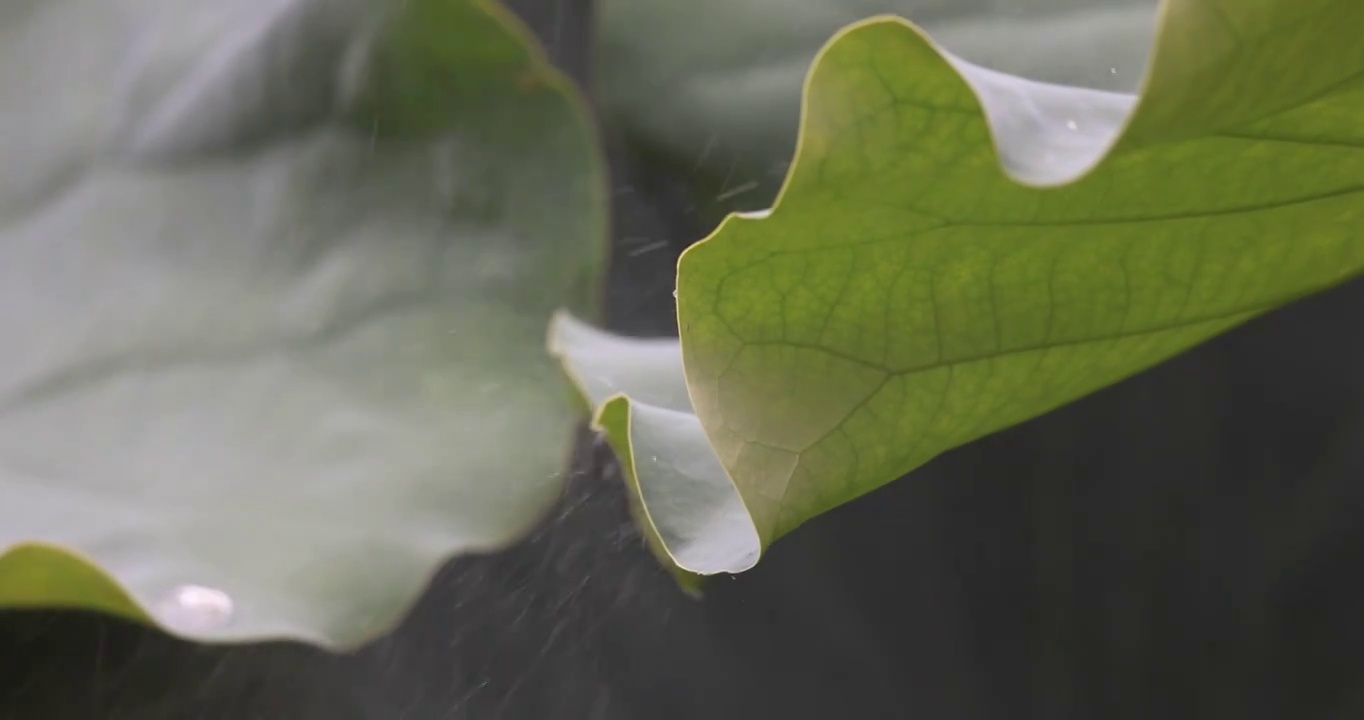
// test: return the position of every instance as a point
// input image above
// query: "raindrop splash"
(196, 608)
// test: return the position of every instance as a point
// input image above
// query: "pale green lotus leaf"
(275, 275)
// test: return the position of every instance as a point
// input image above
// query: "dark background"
(1183, 545)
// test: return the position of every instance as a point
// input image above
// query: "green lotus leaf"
(956, 250)
(276, 274)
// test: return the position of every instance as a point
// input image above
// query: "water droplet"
(196, 607)
(1112, 71)
(1072, 125)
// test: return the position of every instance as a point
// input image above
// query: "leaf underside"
(956, 250)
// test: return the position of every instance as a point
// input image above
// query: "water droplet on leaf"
(196, 608)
